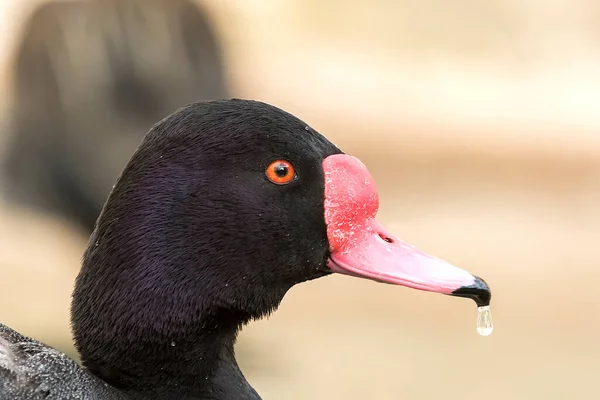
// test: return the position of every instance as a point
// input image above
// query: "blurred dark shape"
(91, 78)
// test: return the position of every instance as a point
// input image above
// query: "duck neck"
(203, 369)
(198, 365)
(155, 317)
(159, 344)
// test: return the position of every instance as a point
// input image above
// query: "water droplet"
(173, 344)
(306, 128)
(485, 325)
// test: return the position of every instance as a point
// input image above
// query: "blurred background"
(480, 122)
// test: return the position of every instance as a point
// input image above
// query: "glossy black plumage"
(194, 242)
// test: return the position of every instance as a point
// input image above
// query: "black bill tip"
(479, 292)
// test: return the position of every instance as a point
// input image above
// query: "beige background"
(480, 122)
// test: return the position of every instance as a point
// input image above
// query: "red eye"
(280, 172)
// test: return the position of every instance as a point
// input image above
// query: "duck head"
(222, 209)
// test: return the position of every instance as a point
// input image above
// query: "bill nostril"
(385, 238)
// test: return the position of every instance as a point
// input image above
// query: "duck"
(222, 209)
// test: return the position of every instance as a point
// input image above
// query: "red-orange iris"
(280, 172)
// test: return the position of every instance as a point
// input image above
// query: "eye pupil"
(281, 170)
